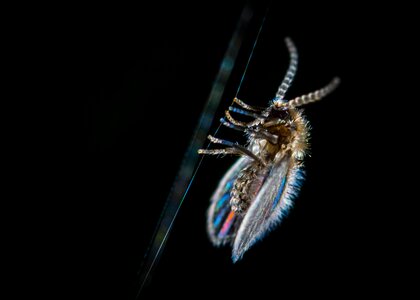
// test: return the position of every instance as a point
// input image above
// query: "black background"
(139, 77)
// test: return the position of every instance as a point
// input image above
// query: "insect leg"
(272, 138)
(230, 125)
(244, 112)
(240, 148)
(242, 124)
(246, 106)
(218, 151)
(233, 121)
(274, 123)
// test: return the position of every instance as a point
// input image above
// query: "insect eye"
(280, 104)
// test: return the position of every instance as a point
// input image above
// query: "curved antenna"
(291, 71)
(314, 96)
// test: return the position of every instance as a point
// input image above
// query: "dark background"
(139, 78)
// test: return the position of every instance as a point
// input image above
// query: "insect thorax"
(287, 134)
(280, 127)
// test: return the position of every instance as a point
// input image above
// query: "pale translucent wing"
(222, 223)
(271, 203)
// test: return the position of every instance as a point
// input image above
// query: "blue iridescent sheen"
(229, 186)
(220, 216)
(222, 201)
(221, 208)
(280, 192)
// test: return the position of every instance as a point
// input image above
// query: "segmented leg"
(218, 151)
(262, 133)
(240, 148)
(246, 106)
(244, 112)
(232, 126)
(257, 132)
(274, 123)
(233, 121)
(239, 123)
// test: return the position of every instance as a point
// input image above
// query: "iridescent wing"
(222, 222)
(269, 206)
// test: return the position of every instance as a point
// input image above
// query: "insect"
(258, 190)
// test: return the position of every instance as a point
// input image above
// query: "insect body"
(257, 191)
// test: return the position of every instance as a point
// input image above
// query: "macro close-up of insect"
(258, 190)
(227, 149)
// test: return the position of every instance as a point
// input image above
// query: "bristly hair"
(259, 189)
